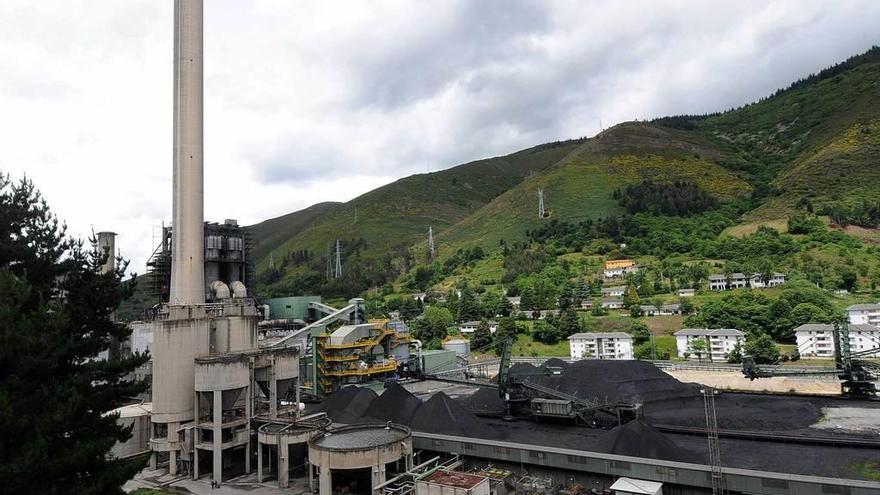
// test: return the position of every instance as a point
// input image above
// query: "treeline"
(691, 122)
(865, 214)
(316, 275)
(755, 313)
(870, 56)
(676, 199)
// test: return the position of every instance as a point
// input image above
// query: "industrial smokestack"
(187, 241)
(107, 244)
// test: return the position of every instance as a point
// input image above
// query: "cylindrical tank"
(238, 289)
(462, 347)
(176, 342)
(219, 290)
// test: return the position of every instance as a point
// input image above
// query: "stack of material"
(395, 404)
(485, 402)
(614, 380)
(348, 405)
(442, 414)
(638, 439)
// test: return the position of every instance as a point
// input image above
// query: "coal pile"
(485, 401)
(395, 404)
(638, 439)
(614, 380)
(348, 405)
(444, 415)
(737, 411)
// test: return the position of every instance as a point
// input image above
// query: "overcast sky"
(319, 101)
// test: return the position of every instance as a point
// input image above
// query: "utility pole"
(338, 260)
(431, 241)
(541, 211)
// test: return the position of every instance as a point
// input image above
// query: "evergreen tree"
(640, 333)
(468, 309)
(505, 308)
(631, 298)
(56, 307)
(482, 335)
(569, 323)
(506, 331)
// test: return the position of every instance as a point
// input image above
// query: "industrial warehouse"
(291, 395)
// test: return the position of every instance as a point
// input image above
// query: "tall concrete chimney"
(107, 244)
(187, 241)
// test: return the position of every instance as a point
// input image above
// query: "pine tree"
(55, 317)
(482, 335)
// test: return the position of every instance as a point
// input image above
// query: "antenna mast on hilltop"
(541, 211)
(338, 260)
(431, 241)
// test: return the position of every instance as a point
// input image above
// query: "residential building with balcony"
(719, 341)
(864, 314)
(609, 345)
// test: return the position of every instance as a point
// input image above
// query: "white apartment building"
(663, 310)
(739, 281)
(612, 303)
(610, 345)
(864, 314)
(616, 291)
(471, 326)
(720, 341)
(619, 268)
(817, 339)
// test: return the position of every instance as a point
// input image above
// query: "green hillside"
(274, 232)
(811, 147)
(580, 187)
(393, 217)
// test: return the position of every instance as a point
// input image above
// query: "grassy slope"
(273, 232)
(399, 213)
(820, 140)
(580, 187)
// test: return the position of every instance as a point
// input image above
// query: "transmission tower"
(541, 211)
(272, 260)
(338, 260)
(714, 448)
(431, 241)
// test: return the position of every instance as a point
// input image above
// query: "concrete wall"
(176, 342)
(140, 437)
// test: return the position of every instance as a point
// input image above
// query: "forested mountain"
(811, 148)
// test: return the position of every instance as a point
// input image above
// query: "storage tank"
(462, 347)
(363, 451)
